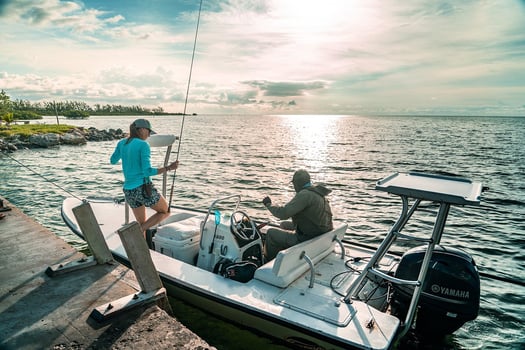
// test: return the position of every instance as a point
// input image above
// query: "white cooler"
(179, 239)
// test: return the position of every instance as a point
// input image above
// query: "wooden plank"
(91, 230)
(116, 307)
(70, 266)
(138, 254)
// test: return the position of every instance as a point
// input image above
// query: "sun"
(312, 17)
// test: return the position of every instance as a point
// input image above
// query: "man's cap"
(143, 123)
(301, 178)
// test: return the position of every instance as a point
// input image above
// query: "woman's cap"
(144, 123)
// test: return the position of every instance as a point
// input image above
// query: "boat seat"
(289, 265)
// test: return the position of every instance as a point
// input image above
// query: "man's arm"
(296, 205)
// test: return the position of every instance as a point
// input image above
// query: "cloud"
(335, 56)
(68, 18)
(44, 12)
(283, 89)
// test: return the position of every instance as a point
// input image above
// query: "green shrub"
(27, 130)
(8, 117)
(26, 115)
(74, 114)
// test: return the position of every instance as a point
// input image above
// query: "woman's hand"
(173, 165)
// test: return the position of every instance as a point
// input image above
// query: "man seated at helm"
(309, 210)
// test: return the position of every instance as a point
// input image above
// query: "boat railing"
(310, 261)
(411, 237)
(372, 269)
(394, 279)
(212, 209)
(417, 187)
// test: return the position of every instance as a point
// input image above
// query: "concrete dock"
(42, 312)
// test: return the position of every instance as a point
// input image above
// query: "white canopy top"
(158, 140)
(448, 189)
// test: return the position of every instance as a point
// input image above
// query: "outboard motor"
(451, 290)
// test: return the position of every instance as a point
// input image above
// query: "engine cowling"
(451, 290)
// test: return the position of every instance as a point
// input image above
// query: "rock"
(77, 136)
(13, 143)
(45, 140)
(73, 138)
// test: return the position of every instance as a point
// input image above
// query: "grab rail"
(393, 279)
(210, 209)
(312, 268)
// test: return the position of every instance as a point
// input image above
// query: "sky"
(421, 57)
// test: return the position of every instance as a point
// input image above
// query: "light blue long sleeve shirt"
(136, 163)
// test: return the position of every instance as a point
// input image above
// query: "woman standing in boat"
(138, 190)
(310, 212)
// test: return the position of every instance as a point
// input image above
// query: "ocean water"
(256, 156)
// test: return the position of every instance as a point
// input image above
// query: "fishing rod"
(185, 105)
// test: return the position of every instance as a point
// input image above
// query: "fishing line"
(42, 176)
(481, 273)
(185, 104)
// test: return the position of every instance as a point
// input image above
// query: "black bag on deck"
(241, 271)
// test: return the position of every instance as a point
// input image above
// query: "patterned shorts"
(135, 198)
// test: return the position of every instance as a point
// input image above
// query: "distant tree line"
(24, 109)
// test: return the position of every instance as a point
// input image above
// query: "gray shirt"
(310, 212)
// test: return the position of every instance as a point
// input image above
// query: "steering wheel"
(242, 226)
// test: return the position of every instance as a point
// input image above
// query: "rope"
(185, 104)
(43, 177)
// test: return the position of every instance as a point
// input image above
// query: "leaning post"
(138, 253)
(90, 228)
(137, 250)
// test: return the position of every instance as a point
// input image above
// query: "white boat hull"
(302, 312)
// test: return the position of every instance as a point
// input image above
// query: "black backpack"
(241, 271)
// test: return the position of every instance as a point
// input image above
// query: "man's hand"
(267, 201)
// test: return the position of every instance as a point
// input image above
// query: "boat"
(326, 293)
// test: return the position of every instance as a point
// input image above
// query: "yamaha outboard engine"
(450, 295)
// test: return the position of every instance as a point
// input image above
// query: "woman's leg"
(135, 200)
(140, 215)
(161, 208)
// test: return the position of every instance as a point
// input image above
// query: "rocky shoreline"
(76, 136)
